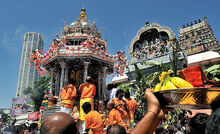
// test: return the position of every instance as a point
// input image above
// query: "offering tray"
(187, 98)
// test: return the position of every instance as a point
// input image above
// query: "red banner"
(33, 116)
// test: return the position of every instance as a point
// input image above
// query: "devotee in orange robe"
(87, 91)
(132, 106)
(68, 95)
(120, 104)
(114, 115)
(93, 121)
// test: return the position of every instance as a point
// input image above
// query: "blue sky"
(119, 19)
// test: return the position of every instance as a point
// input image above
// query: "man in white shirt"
(112, 89)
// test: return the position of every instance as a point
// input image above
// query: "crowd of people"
(118, 116)
(119, 110)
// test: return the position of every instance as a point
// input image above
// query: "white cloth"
(82, 127)
(66, 110)
(111, 93)
(179, 132)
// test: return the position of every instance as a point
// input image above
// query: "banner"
(33, 116)
(18, 106)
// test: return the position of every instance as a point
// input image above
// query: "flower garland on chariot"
(36, 56)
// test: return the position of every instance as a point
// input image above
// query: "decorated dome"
(80, 40)
(82, 27)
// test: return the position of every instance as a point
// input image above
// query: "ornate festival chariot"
(79, 52)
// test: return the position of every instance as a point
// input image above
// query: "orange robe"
(121, 109)
(87, 90)
(94, 121)
(115, 117)
(67, 94)
(132, 106)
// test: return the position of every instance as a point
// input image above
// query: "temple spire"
(83, 14)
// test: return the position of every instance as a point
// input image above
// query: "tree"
(38, 91)
(138, 73)
(27, 90)
(142, 82)
(5, 117)
(150, 81)
(126, 86)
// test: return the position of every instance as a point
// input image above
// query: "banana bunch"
(167, 82)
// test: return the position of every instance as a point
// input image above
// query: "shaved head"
(89, 79)
(111, 104)
(116, 129)
(58, 123)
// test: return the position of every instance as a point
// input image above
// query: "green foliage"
(138, 73)
(143, 82)
(38, 91)
(160, 66)
(5, 117)
(213, 73)
(149, 81)
(173, 116)
(27, 90)
(176, 115)
(126, 86)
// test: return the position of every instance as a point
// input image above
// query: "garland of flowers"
(38, 58)
(45, 99)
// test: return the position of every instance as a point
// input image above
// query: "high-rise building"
(27, 73)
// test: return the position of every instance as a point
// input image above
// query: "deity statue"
(147, 24)
(89, 30)
(78, 27)
(152, 42)
(157, 41)
(146, 43)
(168, 47)
(66, 28)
